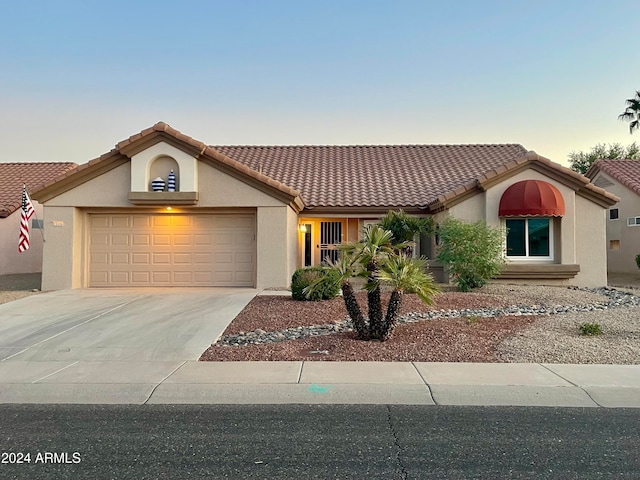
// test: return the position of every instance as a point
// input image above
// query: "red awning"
(531, 198)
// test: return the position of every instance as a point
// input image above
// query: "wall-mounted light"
(302, 228)
(168, 209)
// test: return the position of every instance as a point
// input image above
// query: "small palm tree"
(378, 260)
(405, 275)
(347, 267)
(632, 112)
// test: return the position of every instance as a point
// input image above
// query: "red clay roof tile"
(14, 175)
(627, 172)
(375, 175)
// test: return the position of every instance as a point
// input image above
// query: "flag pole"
(35, 213)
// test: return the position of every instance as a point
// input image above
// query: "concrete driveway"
(159, 324)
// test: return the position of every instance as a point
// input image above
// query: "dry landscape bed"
(14, 287)
(552, 339)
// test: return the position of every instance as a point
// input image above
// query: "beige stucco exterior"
(623, 241)
(579, 236)
(11, 261)
(212, 186)
(66, 218)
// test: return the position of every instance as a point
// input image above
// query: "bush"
(638, 260)
(591, 329)
(473, 252)
(328, 281)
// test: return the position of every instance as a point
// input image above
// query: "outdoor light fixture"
(303, 228)
(168, 208)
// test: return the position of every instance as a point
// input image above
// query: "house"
(622, 178)
(250, 215)
(12, 178)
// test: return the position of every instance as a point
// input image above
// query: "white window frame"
(527, 258)
(636, 221)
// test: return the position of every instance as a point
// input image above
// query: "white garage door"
(171, 250)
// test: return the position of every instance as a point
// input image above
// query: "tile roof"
(627, 172)
(14, 175)
(356, 177)
(375, 176)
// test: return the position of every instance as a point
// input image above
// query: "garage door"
(171, 250)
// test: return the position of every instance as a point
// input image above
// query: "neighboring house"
(249, 216)
(12, 178)
(622, 178)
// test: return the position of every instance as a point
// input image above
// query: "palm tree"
(347, 267)
(405, 227)
(632, 112)
(378, 260)
(373, 250)
(405, 274)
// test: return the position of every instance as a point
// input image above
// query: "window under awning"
(531, 198)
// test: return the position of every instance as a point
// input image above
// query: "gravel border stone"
(612, 298)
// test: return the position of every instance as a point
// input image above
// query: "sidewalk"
(410, 383)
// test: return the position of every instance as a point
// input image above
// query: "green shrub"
(638, 260)
(471, 319)
(591, 329)
(473, 252)
(328, 283)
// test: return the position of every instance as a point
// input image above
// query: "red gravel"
(443, 340)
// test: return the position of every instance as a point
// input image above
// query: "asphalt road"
(304, 442)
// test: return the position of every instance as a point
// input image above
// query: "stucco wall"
(110, 189)
(579, 235)
(276, 245)
(623, 259)
(11, 261)
(591, 244)
(63, 254)
(221, 190)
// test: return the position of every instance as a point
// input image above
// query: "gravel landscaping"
(498, 323)
(14, 287)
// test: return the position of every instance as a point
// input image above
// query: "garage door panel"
(119, 258)
(142, 240)
(141, 221)
(165, 250)
(161, 239)
(120, 221)
(119, 277)
(182, 240)
(161, 258)
(139, 278)
(205, 240)
(182, 259)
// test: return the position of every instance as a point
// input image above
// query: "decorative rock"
(617, 299)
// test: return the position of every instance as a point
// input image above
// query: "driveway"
(117, 324)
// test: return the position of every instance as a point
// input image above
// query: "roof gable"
(161, 132)
(627, 172)
(14, 175)
(360, 177)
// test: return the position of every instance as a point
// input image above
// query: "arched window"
(529, 208)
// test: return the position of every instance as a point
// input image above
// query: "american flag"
(25, 214)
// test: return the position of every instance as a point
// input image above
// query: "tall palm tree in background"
(632, 112)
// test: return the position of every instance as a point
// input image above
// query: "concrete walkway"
(410, 383)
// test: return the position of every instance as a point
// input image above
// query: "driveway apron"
(160, 324)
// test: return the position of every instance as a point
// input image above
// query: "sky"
(77, 77)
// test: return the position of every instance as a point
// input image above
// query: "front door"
(330, 237)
